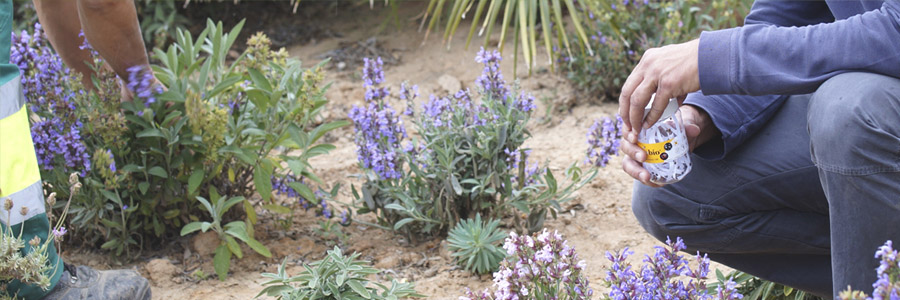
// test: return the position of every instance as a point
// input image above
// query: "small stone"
(205, 243)
(161, 270)
(388, 262)
(341, 65)
(445, 251)
(449, 83)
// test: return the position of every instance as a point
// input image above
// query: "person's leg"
(112, 28)
(62, 26)
(854, 128)
(760, 209)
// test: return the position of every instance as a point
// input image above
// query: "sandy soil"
(600, 218)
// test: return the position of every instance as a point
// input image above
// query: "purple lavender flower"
(52, 139)
(658, 277)
(112, 161)
(379, 133)
(280, 186)
(408, 94)
(537, 267)
(603, 140)
(491, 80)
(59, 232)
(142, 83)
(525, 103)
(373, 72)
(345, 217)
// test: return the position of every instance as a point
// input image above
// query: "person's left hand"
(670, 72)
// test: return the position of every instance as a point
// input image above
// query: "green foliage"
(223, 124)
(159, 21)
(754, 288)
(517, 19)
(228, 246)
(335, 277)
(475, 245)
(622, 32)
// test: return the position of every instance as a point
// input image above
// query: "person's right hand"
(697, 126)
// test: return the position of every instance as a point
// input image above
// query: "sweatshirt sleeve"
(768, 58)
(737, 117)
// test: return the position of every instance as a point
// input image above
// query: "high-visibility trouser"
(20, 181)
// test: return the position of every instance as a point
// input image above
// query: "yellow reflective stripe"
(18, 162)
(11, 97)
(31, 197)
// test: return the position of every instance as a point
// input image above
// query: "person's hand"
(670, 72)
(698, 128)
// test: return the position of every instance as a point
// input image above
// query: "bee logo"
(668, 146)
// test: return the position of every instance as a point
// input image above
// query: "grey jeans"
(804, 202)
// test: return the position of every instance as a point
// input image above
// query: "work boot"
(83, 282)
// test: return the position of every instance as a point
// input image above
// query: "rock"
(445, 251)
(388, 262)
(205, 243)
(409, 258)
(361, 246)
(161, 270)
(449, 83)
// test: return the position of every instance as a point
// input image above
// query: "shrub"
(623, 31)
(228, 126)
(474, 244)
(467, 159)
(335, 277)
(658, 277)
(538, 267)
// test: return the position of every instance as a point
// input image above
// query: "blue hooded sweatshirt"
(788, 48)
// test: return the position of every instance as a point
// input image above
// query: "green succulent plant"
(475, 244)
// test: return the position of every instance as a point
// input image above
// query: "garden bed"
(598, 219)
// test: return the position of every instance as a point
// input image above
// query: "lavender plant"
(207, 123)
(659, 276)
(467, 157)
(603, 139)
(540, 266)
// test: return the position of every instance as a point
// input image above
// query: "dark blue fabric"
(788, 48)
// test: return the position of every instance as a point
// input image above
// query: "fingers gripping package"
(668, 155)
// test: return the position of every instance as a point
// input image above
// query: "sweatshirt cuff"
(714, 61)
(715, 148)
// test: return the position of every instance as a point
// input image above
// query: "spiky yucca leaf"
(475, 245)
(524, 16)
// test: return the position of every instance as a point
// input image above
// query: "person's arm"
(738, 117)
(759, 59)
(720, 123)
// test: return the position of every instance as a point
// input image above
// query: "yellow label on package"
(657, 152)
